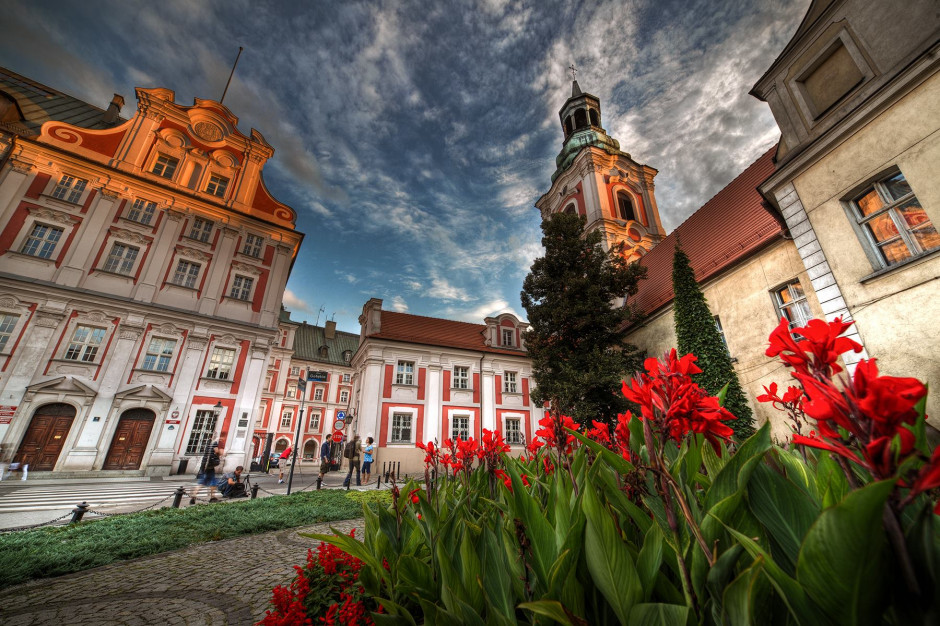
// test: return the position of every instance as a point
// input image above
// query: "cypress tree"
(696, 332)
(576, 336)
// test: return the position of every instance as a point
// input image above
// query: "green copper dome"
(580, 140)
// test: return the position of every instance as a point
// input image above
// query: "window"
(347, 378)
(217, 185)
(252, 245)
(509, 382)
(42, 241)
(508, 337)
(318, 394)
(84, 344)
(460, 427)
(405, 374)
(461, 377)
(513, 432)
(159, 354)
(201, 435)
(295, 371)
(165, 166)
(142, 211)
(200, 229)
(7, 324)
(121, 259)
(69, 188)
(347, 356)
(286, 418)
(791, 304)
(721, 333)
(894, 223)
(186, 274)
(344, 396)
(315, 421)
(401, 428)
(220, 365)
(323, 352)
(291, 391)
(625, 206)
(241, 288)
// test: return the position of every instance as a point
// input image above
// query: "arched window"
(625, 206)
(580, 119)
(324, 352)
(571, 209)
(594, 120)
(568, 126)
(347, 356)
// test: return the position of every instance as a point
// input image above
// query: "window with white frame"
(217, 185)
(315, 420)
(286, 418)
(513, 434)
(291, 391)
(405, 375)
(791, 304)
(509, 382)
(201, 435)
(461, 377)
(460, 427)
(347, 377)
(159, 354)
(241, 287)
(894, 224)
(69, 188)
(142, 211)
(42, 241)
(344, 396)
(165, 166)
(509, 337)
(7, 324)
(220, 364)
(186, 274)
(318, 394)
(200, 229)
(253, 245)
(85, 343)
(401, 428)
(121, 259)
(347, 356)
(295, 370)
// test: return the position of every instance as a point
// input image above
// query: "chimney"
(330, 331)
(114, 109)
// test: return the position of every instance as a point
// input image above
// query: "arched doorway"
(130, 440)
(311, 450)
(45, 437)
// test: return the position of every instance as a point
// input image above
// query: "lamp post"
(302, 388)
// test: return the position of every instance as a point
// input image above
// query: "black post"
(398, 471)
(319, 482)
(178, 496)
(254, 491)
(78, 512)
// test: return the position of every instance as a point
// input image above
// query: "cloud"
(477, 314)
(398, 304)
(293, 303)
(442, 290)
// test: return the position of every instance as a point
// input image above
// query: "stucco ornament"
(207, 131)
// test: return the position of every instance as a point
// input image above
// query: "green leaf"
(650, 559)
(554, 610)
(746, 599)
(737, 470)
(540, 533)
(713, 462)
(657, 614)
(831, 483)
(785, 510)
(719, 576)
(608, 558)
(842, 563)
(798, 471)
(497, 586)
(613, 459)
(470, 569)
(394, 614)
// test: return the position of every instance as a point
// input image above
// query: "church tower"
(595, 179)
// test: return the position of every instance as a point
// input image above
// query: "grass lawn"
(57, 550)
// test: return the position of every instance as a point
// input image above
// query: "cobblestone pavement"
(219, 583)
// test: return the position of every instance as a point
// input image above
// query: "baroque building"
(142, 267)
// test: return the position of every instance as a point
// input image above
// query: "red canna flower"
(600, 433)
(553, 432)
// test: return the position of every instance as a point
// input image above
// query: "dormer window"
(509, 338)
(69, 188)
(347, 357)
(217, 185)
(165, 166)
(324, 352)
(200, 230)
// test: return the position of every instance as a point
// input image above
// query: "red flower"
(622, 434)
(600, 433)
(818, 352)
(553, 432)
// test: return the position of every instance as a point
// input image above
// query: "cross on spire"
(574, 72)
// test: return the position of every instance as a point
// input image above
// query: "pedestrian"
(351, 452)
(283, 460)
(6, 455)
(211, 459)
(325, 461)
(367, 460)
(231, 485)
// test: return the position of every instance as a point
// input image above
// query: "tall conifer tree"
(696, 332)
(576, 339)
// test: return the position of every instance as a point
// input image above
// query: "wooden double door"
(45, 437)
(130, 440)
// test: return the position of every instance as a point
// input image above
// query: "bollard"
(178, 496)
(319, 482)
(78, 512)
(398, 472)
(254, 491)
(386, 472)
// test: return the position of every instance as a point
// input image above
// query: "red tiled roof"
(434, 331)
(728, 228)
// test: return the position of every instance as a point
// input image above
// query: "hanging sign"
(317, 376)
(341, 415)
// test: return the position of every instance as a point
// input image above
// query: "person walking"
(282, 463)
(325, 461)
(211, 459)
(367, 460)
(351, 452)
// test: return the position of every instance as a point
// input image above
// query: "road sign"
(7, 410)
(339, 425)
(301, 384)
(341, 415)
(337, 436)
(318, 376)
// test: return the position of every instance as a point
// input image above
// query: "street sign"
(337, 436)
(339, 425)
(301, 384)
(318, 376)
(7, 410)
(341, 415)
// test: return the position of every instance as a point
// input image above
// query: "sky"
(413, 137)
